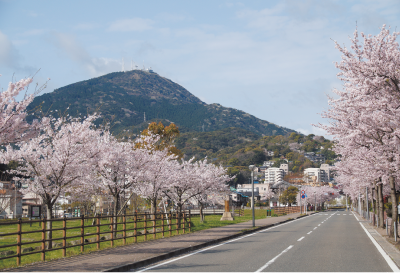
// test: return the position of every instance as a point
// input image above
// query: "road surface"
(331, 241)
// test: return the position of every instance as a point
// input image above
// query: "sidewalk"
(379, 234)
(137, 255)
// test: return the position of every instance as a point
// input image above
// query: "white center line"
(315, 228)
(273, 260)
(309, 232)
(300, 239)
(319, 224)
(344, 214)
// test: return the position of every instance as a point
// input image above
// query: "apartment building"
(274, 175)
(317, 174)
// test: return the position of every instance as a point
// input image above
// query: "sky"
(272, 59)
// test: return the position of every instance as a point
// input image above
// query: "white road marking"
(300, 239)
(344, 214)
(309, 232)
(319, 224)
(315, 228)
(227, 242)
(273, 260)
(383, 253)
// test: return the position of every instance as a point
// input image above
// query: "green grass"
(211, 221)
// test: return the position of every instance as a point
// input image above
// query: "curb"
(127, 267)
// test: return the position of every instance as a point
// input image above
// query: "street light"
(251, 167)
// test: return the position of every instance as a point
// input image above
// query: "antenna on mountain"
(123, 66)
(203, 127)
(144, 116)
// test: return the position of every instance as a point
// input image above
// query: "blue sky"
(272, 59)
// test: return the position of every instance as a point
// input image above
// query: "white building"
(274, 175)
(268, 163)
(317, 174)
(285, 168)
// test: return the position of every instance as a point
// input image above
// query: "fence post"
(19, 242)
(177, 222)
(82, 232)
(43, 238)
(145, 226)
(183, 222)
(169, 223)
(162, 224)
(135, 227)
(154, 224)
(98, 231)
(190, 222)
(64, 252)
(124, 227)
(112, 231)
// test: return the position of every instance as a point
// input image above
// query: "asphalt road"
(333, 241)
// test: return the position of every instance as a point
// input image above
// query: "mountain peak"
(125, 97)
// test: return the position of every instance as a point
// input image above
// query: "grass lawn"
(211, 221)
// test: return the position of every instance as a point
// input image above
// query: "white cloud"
(95, 66)
(10, 57)
(133, 24)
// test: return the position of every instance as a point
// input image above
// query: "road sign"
(303, 196)
(303, 192)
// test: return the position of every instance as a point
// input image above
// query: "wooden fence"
(286, 210)
(144, 224)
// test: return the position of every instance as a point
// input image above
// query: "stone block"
(28, 249)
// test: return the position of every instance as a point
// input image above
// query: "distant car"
(68, 215)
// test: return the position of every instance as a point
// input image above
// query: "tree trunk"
(380, 205)
(394, 204)
(201, 213)
(115, 218)
(49, 210)
(153, 202)
(376, 198)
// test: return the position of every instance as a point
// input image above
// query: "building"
(274, 175)
(28, 200)
(317, 175)
(269, 153)
(316, 158)
(268, 163)
(285, 168)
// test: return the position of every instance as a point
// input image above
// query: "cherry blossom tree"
(13, 125)
(365, 118)
(209, 179)
(58, 160)
(156, 177)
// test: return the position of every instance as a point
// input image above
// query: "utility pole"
(251, 167)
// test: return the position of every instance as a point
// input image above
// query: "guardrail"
(133, 226)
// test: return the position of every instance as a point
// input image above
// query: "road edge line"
(387, 258)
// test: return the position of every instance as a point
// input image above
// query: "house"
(316, 158)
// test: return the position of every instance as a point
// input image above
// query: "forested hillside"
(126, 97)
(237, 149)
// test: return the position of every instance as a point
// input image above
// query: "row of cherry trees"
(71, 156)
(365, 118)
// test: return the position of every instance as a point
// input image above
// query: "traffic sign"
(303, 196)
(303, 192)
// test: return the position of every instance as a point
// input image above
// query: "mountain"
(126, 97)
